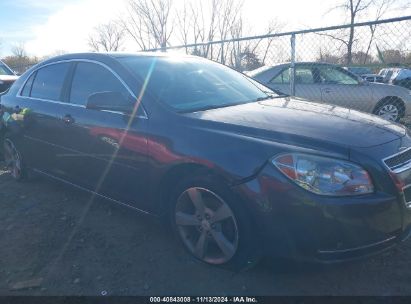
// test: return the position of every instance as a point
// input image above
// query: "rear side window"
(27, 87)
(90, 78)
(49, 81)
(304, 76)
(282, 78)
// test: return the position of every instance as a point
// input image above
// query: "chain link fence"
(364, 66)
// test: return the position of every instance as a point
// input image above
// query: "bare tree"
(327, 56)
(354, 9)
(251, 54)
(106, 37)
(149, 22)
(274, 26)
(19, 50)
(185, 22)
(382, 8)
(196, 22)
(19, 60)
(229, 15)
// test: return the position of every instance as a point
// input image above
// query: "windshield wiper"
(211, 107)
(204, 108)
(270, 96)
(265, 98)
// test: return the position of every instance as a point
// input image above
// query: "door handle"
(327, 90)
(68, 119)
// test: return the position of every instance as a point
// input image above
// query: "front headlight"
(324, 176)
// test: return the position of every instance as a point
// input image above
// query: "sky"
(47, 27)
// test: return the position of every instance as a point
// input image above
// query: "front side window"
(332, 75)
(27, 87)
(90, 78)
(49, 81)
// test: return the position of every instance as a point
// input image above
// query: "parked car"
(365, 73)
(239, 173)
(359, 70)
(327, 83)
(373, 78)
(7, 77)
(397, 76)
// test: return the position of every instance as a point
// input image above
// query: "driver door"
(340, 88)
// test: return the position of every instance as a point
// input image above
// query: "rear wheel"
(212, 226)
(13, 160)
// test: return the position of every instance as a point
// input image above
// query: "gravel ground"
(59, 241)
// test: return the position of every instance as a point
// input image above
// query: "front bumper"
(299, 224)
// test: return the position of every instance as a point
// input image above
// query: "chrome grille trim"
(402, 165)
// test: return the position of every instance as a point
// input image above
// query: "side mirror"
(111, 101)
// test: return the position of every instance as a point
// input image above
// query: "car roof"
(110, 58)
(303, 63)
(107, 55)
(268, 68)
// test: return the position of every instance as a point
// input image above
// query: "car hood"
(295, 120)
(8, 77)
(387, 89)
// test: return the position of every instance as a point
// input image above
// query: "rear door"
(40, 100)
(305, 85)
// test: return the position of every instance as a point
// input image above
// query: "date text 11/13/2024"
(239, 299)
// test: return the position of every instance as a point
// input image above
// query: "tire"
(14, 160)
(391, 109)
(224, 238)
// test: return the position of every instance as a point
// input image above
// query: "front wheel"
(212, 225)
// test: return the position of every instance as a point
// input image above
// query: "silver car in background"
(328, 83)
(7, 77)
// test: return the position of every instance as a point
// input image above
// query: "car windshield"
(191, 84)
(4, 70)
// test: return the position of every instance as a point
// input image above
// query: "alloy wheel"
(206, 225)
(13, 159)
(389, 112)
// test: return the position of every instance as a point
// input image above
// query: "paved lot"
(51, 241)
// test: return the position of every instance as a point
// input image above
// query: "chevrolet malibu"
(236, 170)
